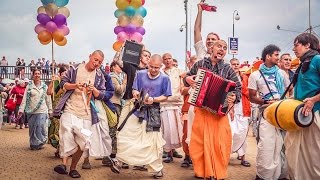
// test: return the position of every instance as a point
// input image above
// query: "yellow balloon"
(123, 20)
(51, 9)
(42, 9)
(45, 42)
(61, 43)
(122, 4)
(137, 20)
(136, 3)
(65, 11)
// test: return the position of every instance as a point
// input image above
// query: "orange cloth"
(210, 145)
(245, 96)
(185, 146)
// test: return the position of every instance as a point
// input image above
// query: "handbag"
(11, 103)
(112, 116)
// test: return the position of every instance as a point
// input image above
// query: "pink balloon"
(136, 37)
(122, 36)
(39, 28)
(64, 29)
(51, 26)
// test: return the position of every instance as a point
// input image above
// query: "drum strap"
(275, 115)
(293, 82)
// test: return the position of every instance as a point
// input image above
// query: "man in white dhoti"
(170, 111)
(77, 117)
(140, 141)
(303, 146)
(270, 82)
(240, 121)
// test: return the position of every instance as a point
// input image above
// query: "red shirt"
(19, 92)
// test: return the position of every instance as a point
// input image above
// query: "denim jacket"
(70, 77)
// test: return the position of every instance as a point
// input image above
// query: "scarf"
(279, 78)
(306, 60)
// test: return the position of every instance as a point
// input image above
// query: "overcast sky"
(91, 26)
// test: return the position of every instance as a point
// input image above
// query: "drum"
(287, 114)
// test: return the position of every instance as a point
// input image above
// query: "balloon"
(123, 20)
(118, 13)
(51, 9)
(65, 11)
(143, 1)
(43, 18)
(117, 45)
(136, 3)
(57, 36)
(122, 4)
(61, 3)
(118, 29)
(136, 37)
(130, 11)
(137, 20)
(141, 30)
(46, 2)
(44, 36)
(141, 11)
(59, 19)
(61, 43)
(42, 9)
(64, 29)
(130, 28)
(39, 28)
(45, 42)
(51, 26)
(122, 36)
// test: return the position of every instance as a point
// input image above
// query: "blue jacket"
(109, 92)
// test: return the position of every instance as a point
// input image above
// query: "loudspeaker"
(131, 52)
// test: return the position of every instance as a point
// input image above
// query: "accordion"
(211, 92)
(131, 52)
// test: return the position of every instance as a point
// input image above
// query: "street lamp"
(184, 26)
(237, 18)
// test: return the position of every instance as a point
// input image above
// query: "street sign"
(233, 45)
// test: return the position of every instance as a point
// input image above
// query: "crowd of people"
(139, 115)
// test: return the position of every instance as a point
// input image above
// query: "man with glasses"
(285, 64)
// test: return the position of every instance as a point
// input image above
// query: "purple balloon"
(51, 26)
(130, 29)
(141, 30)
(39, 28)
(64, 29)
(59, 19)
(118, 29)
(43, 18)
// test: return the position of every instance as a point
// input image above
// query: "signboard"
(233, 45)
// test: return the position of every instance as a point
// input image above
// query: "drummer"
(270, 82)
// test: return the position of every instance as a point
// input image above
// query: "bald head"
(99, 52)
(156, 58)
(155, 65)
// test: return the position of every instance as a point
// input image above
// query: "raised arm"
(198, 24)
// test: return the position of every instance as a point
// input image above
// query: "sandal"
(74, 174)
(61, 169)
(140, 168)
(185, 163)
(245, 163)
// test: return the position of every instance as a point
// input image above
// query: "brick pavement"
(17, 161)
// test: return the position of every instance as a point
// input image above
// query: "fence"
(12, 72)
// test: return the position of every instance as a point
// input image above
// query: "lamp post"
(234, 17)
(186, 27)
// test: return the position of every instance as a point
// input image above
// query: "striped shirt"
(222, 69)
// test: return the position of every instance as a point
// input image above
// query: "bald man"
(140, 141)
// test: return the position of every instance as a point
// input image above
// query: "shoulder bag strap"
(266, 83)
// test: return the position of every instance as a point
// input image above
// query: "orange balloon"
(61, 43)
(57, 36)
(44, 36)
(46, 42)
(117, 46)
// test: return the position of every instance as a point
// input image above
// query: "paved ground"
(17, 161)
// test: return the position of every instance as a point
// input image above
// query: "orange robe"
(210, 145)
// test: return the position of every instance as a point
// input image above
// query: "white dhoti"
(100, 142)
(303, 151)
(239, 128)
(271, 163)
(73, 133)
(138, 147)
(190, 123)
(171, 126)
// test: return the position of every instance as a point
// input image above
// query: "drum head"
(302, 120)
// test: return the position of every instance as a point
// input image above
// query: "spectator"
(18, 92)
(175, 63)
(32, 65)
(3, 63)
(16, 70)
(39, 64)
(107, 68)
(22, 69)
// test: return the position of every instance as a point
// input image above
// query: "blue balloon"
(130, 11)
(61, 3)
(46, 2)
(141, 11)
(118, 13)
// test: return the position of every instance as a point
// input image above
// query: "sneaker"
(164, 155)
(176, 154)
(168, 159)
(86, 165)
(158, 175)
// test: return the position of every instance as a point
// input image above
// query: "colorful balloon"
(65, 11)
(136, 3)
(118, 13)
(122, 36)
(39, 28)
(61, 3)
(51, 9)
(141, 11)
(117, 45)
(46, 2)
(64, 29)
(61, 43)
(57, 36)
(41, 9)
(136, 37)
(118, 29)
(143, 2)
(59, 19)
(141, 30)
(130, 28)
(130, 11)
(44, 36)
(45, 42)
(122, 4)
(51, 26)
(137, 20)
(43, 18)
(123, 20)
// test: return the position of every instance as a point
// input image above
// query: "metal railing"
(12, 72)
